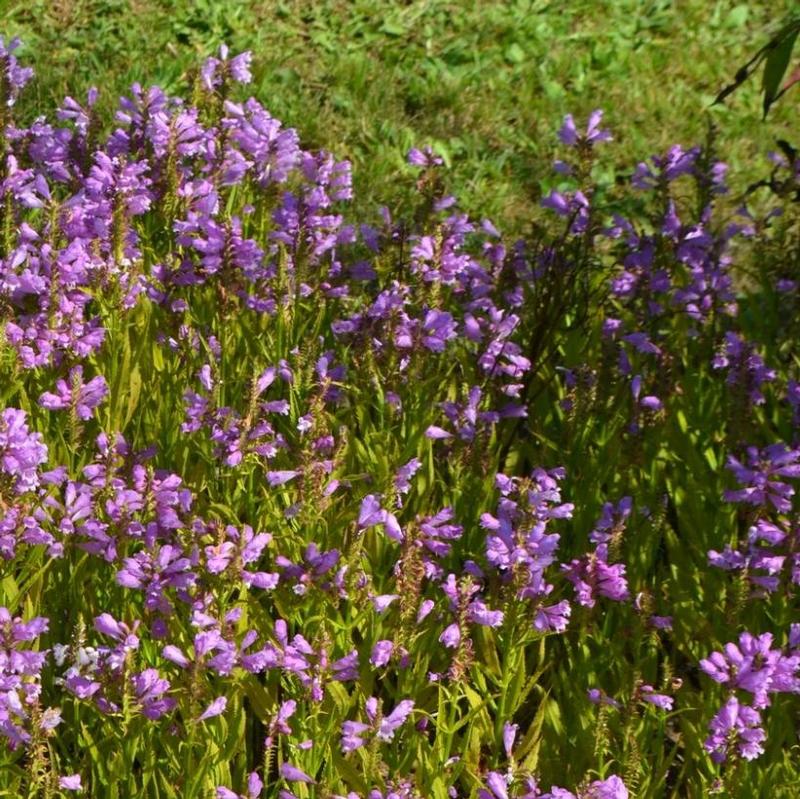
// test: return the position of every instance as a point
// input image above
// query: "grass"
(485, 82)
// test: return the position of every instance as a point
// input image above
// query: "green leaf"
(514, 54)
(158, 357)
(348, 772)
(134, 392)
(738, 15)
(528, 749)
(393, 27)
(10, 591)
(439, 788)
(775, 68)
(744, 72)
(552, 712)
(260, 699)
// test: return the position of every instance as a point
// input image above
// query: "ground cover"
(483, 81)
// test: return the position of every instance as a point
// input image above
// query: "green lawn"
(486, 82)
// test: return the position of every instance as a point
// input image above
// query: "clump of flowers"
(271, 514)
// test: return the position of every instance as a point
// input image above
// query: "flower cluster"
(279, 492)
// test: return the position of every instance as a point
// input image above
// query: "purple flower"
(402, 477)
(612, 521)
(436, 532)
(149, 689)
(593, 131)
(735, 725)
(451, 637)
(425, 608)
(155, 573)
(568, 134)
(497, 785)
(21, 452)
(517, 537)
(770, 552)
(371, 513)
(273, 151)
(610, 788)
(70, 783)
(389, 724)
(425, 157)
(746, 368)
(219, 556)
(215, 70)
(759, 476)
(280, 478)
(77, 395)
(15, 76)
(280, 722)
(558, 202)
(556, 793)
(598, 697)
(381, 653)
(294, 774)
(468, 420)
(592, 574)
(356, 734)
(254, 786)
(478, 613)
(648, 694)
(793, 398)
(383, 601)
(755, 667)
(15, 630)
(669, 167)
(174, 655)
(345, 669)
(438, 327)
(216, 708)
(553, 618)
(509, 734)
